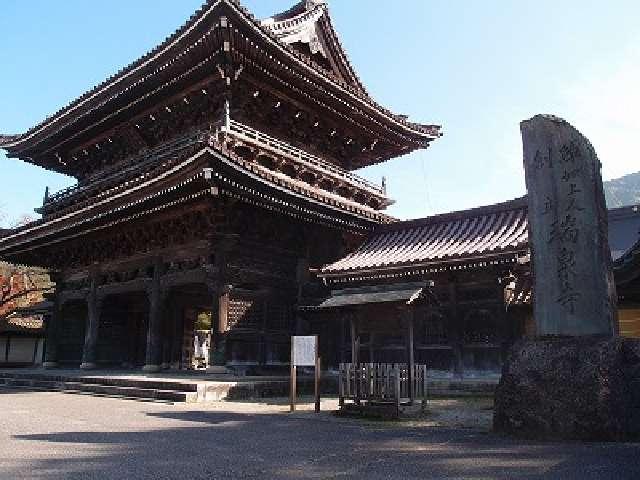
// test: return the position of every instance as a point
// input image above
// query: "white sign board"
(304, 352)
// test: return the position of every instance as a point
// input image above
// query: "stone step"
(81, 392)
(133, 392)
(146, 383)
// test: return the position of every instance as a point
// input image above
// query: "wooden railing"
(382, 382)
(251, 135)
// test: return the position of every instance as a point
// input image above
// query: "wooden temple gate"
(206, 173)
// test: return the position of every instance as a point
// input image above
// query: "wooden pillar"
(178, 339)
(94, 309)
(341, 341)
(52, 336)
(505, 329)
(168, 330)
(221, 311)
(220, 307)
(355, 341)
(302, 279)
(409, 316)
(355, 353)
(265, 344)
(153, 358)
(457, 327)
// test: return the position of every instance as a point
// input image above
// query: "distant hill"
(623, 191)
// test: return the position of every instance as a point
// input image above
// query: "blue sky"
(477, 68)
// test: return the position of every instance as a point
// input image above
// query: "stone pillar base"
(151, 368)
(88, 366)
(579, 388)
(165, 366)
(48, 365)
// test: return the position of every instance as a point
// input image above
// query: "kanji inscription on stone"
(574, 290)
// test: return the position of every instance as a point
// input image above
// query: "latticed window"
(245, 312)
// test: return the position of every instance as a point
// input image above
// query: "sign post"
(304, 353)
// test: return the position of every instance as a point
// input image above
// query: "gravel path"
(58, 436)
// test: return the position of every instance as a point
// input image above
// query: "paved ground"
(58, 436)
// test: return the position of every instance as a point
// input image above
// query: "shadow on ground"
(151, 441)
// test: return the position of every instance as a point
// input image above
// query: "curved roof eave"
(316, 12)
(12, 141)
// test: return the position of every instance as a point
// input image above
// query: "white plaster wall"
(21, 350)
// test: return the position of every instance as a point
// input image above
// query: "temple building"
(476, 266)
(212, 174)
(217, 212)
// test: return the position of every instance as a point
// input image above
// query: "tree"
(22, 220)
(3, 215)
(22, 286)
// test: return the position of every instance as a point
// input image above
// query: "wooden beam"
(341, 341)
(355, 341)
(157, 300)
(456, 325)
(94, 310)
(409, 316)
(355, 353)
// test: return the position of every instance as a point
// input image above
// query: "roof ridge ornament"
(311, 4)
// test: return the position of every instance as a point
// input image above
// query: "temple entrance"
(201, 341)
(138, 326)
(71, 332)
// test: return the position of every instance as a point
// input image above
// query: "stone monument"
(573, 281)
(577, 379)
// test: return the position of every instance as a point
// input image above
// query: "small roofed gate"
(383, 316)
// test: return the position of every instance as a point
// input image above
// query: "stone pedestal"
(578, 388)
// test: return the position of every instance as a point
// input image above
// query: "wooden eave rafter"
(457, 264)
(193, 178)
(358, 217)
(315, 15)
(155, 163)
(174, 181)
(106, 97)
(469, 239)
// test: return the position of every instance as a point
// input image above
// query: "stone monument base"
(571, 388)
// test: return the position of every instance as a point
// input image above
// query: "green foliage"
(203, 322)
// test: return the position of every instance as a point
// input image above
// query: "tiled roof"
(198, 31)
(460, 236)
(627, 266)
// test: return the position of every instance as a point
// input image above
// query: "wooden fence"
(382, 382)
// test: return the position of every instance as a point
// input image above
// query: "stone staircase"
(144, 388)
(125, 388)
